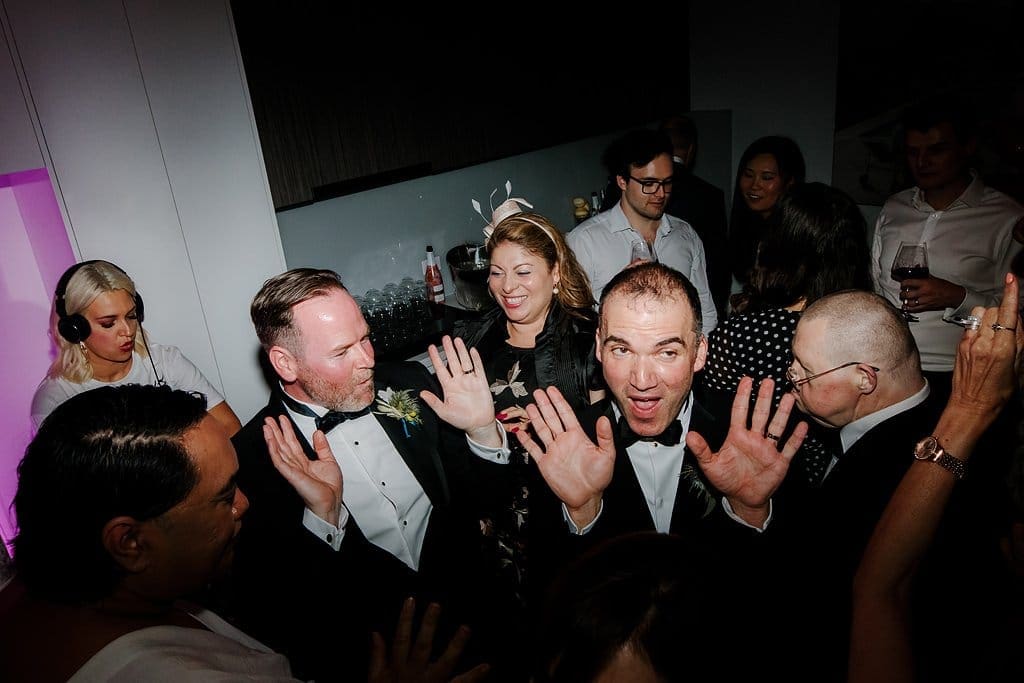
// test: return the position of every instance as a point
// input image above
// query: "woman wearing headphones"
(101, 343)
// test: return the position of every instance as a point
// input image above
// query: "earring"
(234, 511)
(554, 290)
(82, 345)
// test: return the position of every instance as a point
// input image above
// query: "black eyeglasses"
(798, 382)
(651, 186)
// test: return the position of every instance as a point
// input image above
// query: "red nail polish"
(514, 430)
(500, 416)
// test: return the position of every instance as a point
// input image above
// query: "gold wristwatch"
(929, 449)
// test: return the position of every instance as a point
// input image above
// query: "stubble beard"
(333, 396)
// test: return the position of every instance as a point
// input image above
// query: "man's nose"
(368, 354)
(642, 375)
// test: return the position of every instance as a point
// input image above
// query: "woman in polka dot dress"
(819, 246)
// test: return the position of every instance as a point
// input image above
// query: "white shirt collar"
(852, 432)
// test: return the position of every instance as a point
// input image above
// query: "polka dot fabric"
(759, 345)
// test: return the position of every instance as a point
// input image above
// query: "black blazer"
(826, 530)
(286, 582)
(729, 553)
(697, 513)
(702, 205)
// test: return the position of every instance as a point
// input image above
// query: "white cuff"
(732, 515)
(325, 531)
(572, 525)
(494, 454)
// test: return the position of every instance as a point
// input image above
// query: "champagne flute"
(911, 262)
(644, 251)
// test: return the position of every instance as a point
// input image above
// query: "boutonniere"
(399, 405)
(697, 491)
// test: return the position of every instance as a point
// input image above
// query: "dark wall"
(348, 99)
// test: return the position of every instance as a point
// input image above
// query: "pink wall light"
(35, 253)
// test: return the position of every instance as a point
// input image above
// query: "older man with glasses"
(857, 370)
(641, 163)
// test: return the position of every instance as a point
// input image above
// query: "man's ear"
(597, 344)
(688, 154)
(702, 353)
(124, 539)
(621, 182)
(284, 363)
(867, 378)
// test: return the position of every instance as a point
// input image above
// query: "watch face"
(927, 448)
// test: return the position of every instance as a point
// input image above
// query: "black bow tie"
(328, 421)
(670, 437)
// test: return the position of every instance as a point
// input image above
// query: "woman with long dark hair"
(768, 169)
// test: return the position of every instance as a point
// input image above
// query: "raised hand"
(749, 467)
(318, 482)
(989, 358)
(577, 470)
(467, 403)
(410, 661)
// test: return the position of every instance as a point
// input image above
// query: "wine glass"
(911, 262)
(644, 251)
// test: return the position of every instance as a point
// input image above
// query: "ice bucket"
(469, 268)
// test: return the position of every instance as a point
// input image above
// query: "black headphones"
(75, 328)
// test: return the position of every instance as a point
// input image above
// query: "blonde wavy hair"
(537, 235)
(88, 282)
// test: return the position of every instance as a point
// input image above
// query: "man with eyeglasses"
(641, 162)
(856, 369)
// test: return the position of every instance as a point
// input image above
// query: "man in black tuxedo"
(700, 204)
(856, 369)
(642, 460)
(634, 474)
(393, 468)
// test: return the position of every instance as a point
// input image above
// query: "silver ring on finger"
(996, 327)
(771, 436)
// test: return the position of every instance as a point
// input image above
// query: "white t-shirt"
(175, 654)
(173, 367)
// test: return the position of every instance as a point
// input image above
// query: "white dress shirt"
(379, 490)
(970, 243)
(603, 246)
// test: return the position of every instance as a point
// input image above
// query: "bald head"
(863, 326)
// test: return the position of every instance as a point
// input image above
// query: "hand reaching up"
(318, 482)
(576, 469)
(409, 661)
(467, 403)
(749, 467)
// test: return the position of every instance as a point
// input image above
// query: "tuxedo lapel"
(696, 499)
(418, 449)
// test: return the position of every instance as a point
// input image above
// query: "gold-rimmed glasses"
(798, 382)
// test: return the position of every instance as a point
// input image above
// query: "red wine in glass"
(911, 262)
(909, 273)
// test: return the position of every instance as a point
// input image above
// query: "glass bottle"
(434, 283)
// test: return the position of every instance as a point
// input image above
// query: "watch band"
(954, 465)
(929, 449)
